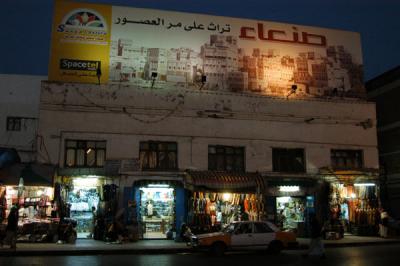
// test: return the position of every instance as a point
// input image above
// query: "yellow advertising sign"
(80, 42)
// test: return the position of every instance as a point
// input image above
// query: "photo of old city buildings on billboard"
(221, 65)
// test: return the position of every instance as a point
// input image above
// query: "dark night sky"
(26, 25)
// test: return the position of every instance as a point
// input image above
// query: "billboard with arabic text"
(153, 48)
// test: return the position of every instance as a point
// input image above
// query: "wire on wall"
(130, 115)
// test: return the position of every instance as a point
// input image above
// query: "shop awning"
(8, 157)
(349, 176)
(32, 174)
(224, 181)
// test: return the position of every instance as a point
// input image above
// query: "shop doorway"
(157, 210)
(291, 213)
(84, 195)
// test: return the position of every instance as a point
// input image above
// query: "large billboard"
(154, 48)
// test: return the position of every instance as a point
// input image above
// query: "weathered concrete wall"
(124, 115)
(19, 97)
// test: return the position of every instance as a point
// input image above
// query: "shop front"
(217, 198)
(353, 204)
(356, 206)
(289, 203)
(84, 199)
(29, 188)
(159, 206)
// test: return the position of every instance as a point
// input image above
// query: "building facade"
(383, 90)
(171, 120)
(163, 135)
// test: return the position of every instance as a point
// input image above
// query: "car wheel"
(275, 247)
(218, 249)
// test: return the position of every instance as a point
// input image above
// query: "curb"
(353, 244)
(361, 244)
(88, 252)
(156, 251)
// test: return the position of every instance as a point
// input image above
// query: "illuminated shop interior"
(157, 210)
(210, 211)
(356, 205)
(290, 212)
(34, 202)
(84, 195)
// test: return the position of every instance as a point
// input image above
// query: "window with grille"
(158, 155)
(85, 153)
(346, 159)
(288, 160)
(226, 158)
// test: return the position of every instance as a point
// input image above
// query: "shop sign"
(150, 48)
(130, 165)
(80, 42)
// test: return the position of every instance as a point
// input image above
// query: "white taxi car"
(236, 235)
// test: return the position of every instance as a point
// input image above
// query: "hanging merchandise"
(355, 207)
(34, 203)
(110, 192)
(210, 212)
(84, 198)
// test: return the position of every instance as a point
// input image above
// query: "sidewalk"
(92, 247)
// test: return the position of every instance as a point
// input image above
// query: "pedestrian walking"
(316, 246)
(383, 225)
(11, 229)
(281, 219)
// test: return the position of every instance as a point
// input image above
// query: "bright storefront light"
(364, 185)
(289, 188)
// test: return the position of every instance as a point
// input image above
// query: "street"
(350, 256)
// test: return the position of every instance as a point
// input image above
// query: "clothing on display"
(81, 201)
(212, 211)
(34, 204)
(356, 207)
(3, 203)
(157, 210)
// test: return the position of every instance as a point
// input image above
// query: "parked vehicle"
(239, 235)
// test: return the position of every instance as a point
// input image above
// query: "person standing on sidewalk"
(11, 229)
(316, 246)
(383, 226)
(93, 225)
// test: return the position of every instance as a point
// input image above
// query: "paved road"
(348, 256)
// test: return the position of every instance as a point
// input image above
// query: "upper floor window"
(346, 159)
(85, 153)
(288, 160)
(226, 158)
(158, 155)
(14, 123)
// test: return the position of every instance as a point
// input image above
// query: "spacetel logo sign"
(84, 26)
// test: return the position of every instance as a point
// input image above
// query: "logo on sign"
(80, 67)
(85, 65)
(83, 26)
